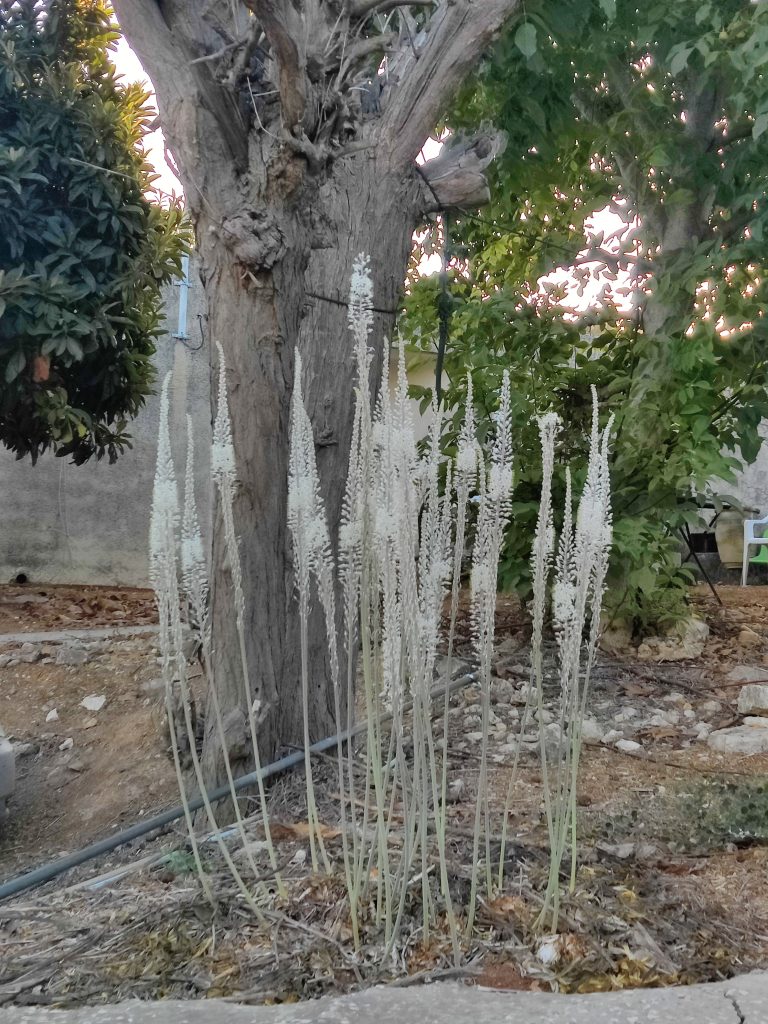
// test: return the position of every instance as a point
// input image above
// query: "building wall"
(89, 524)
(752, 484)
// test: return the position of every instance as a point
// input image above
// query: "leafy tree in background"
(659, 112)
(84, 249)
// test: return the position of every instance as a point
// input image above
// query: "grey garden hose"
(31, 879)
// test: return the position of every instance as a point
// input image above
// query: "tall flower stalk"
(541, 567)
(580, 570)
(312, 559)
(495, 506)
(400, 545)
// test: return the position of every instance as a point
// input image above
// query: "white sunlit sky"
(604, 221)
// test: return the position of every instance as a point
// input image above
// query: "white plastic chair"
(752, 539)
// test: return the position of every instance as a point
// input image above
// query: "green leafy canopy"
(658, 111)
(84, 249)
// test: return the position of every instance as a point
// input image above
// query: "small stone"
(473, 737)
(628, 746)
(94, 702)
(70, 655)
(502, 691)
(749, 638)
(67, 744)
(626, 714)
(591, 732)
(24, 749)
(52, 716)
(611, 737)
(748, 739)
(29, 653)
(747, 674)
(90, 723)
(710, 707)
(5, 659)
(76, 765)
(753, 700)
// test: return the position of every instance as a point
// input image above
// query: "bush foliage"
(84, 247)
(596, 99)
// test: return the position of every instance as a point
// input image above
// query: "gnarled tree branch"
(279, 21)
(197, 107)
(455, 178)
(423, 82)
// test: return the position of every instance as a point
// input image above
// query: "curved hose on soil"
(32, 879)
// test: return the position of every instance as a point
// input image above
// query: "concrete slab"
(56, 636)
(743, 1001)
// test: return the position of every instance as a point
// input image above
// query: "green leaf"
(760, 125)
(658, 157)
(609, 9)
(15, 365)
(680, 59)
(526, 39)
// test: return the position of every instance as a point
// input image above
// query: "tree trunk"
(295, 143)
(259, 315)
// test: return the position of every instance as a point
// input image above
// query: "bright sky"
(128, 64)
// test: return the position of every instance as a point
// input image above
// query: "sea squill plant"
(495, 506)
(400, 548)
(312, 559)
(541, 565)
(580, 570)
(177, 574)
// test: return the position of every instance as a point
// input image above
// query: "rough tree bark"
(296, 148)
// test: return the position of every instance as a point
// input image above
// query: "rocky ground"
(673, 817)
(83, 714)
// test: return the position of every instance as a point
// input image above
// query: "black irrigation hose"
(31, 879)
